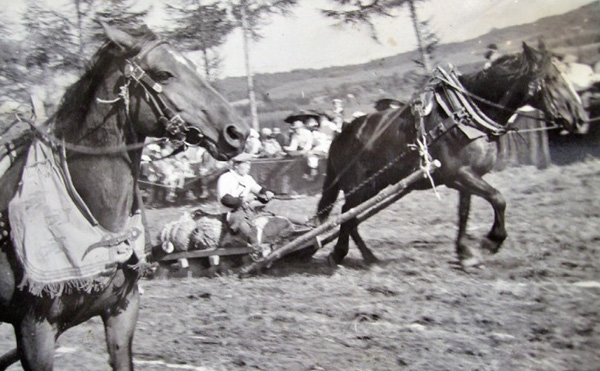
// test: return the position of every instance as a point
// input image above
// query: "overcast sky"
(308, 40)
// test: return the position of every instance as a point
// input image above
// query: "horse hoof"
(331, 261)
(471, 263)
(489, 246)
(372, 260)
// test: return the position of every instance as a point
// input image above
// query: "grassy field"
(534, 306)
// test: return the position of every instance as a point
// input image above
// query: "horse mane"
(508, 67)
(79, 97)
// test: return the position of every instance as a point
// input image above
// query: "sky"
(309, 40)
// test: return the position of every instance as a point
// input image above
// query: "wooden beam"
(369, 207)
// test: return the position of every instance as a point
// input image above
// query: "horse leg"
(368, 256)
(35, 341)
(472, 183)
(119, 327)
(466, 256)
(341, 247)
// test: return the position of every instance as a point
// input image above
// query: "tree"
(89, 13)
(250, 16)
(361, 12)
(12, 74)
(51, 40)
(65, 37)
(202, 28)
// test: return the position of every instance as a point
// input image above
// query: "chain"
(359, 186)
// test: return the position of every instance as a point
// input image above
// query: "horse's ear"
(529, 53)
(119, 37)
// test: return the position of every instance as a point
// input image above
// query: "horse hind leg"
(368, 256)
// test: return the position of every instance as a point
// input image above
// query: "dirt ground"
(533, 307)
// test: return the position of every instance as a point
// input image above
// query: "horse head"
(163, 83)
(551, 92)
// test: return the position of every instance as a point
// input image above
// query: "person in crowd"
(253, 144)
(301, 140)
(338, 110)
(321, 142)
(280, 137)
(170, 176)
(491, 55)
(239, 195)
(579, 74)
(270, 146)
(183, 171)
(265, 133)
(151, 172)
(328, 127)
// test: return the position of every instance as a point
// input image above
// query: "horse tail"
(331, 189)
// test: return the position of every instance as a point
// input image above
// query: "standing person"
(239, 194)
(338, 110)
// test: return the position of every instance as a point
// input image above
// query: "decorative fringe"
(142, 268)
(56, 289)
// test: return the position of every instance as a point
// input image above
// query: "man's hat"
(242, 157)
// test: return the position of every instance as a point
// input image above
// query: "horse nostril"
(233, 136)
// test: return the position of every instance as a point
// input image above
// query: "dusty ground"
(534, 307)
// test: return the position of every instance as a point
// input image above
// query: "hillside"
(280, 93)
(359, 86)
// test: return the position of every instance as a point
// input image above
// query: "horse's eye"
(162, 76)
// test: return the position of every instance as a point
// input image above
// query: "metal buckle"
(462, 117)
(176, 126)
(134, 71)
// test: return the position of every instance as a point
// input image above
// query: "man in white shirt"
(301, 140)
(238, 193)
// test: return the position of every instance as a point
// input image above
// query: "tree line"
(63, 37)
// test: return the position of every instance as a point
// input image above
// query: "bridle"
(174, 125)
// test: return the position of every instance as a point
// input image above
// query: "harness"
(171, 121)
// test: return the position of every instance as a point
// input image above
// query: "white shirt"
(301, 140)
(237, 185)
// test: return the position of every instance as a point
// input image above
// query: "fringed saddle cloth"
(59, 247)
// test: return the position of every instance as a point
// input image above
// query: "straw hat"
(242, 157)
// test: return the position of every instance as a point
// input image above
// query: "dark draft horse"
(171, 100)
(382, 139)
